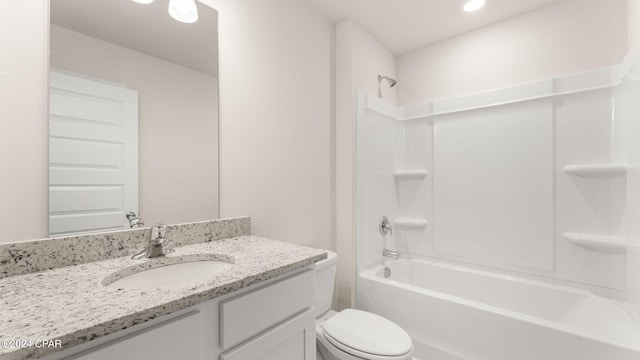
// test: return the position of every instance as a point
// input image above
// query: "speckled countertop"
(72, 305)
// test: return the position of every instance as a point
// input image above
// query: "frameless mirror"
(133, 119)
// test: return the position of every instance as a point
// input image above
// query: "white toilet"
(353, 334)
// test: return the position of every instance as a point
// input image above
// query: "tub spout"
(395, 255)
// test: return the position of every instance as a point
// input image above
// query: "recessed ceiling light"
(143, 1)
(183, 10)
(473, 5)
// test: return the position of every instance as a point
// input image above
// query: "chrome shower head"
(392, 82)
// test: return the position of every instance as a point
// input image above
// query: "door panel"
(93, 155)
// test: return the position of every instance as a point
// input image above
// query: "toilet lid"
(368, 333)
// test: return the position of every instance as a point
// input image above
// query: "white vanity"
(259, 306)
(269, 320)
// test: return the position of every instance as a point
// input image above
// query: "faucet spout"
(393, 254)
(156, 246)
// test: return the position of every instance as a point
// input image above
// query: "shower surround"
(534, 183)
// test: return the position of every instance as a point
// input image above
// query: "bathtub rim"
(371, 273)
(603, 291)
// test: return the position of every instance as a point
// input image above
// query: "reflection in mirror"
(133, 115)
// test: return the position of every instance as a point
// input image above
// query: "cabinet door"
(175, 339)
(295, 339)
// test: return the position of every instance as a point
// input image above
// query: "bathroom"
(293, 80)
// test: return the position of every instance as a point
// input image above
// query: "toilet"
(353, 334)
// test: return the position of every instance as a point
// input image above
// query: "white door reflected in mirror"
(93, 155)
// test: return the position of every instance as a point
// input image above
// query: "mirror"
(121, 47)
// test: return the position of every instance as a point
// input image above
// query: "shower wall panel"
(493, 186)
(627, 150)
(587, 204)
(414, 195)
(382, 138)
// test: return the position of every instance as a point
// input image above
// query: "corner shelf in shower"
(410, 174)
(409, 222)
(598, 242)
(596, 170)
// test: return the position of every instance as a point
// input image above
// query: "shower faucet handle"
(385, 226)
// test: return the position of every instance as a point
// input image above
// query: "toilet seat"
(366, 335)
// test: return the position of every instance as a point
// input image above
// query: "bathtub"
(455, 312)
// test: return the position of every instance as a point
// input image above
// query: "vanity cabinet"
(271, 320)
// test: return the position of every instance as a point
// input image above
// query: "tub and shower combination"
(511, 249)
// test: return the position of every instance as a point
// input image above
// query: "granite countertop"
(72, 305)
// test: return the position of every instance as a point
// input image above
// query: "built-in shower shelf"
(593, 170)
(410, 174)
(410, 222)
(598, 242)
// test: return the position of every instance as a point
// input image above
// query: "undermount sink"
(169, 273)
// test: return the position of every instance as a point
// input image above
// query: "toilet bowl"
(353, 334)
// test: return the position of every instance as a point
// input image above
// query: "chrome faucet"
(156, 246)
(135, 221)
(393, 254)
(386, 228)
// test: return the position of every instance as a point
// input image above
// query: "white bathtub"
(453, 312)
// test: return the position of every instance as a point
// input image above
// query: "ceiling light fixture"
(143, 1)
(183, 10)
(473, 5)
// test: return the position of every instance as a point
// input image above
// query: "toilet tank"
(325, 282)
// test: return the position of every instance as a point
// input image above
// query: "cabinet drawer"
(247, 315)
(294, 339)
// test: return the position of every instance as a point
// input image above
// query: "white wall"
(24, 178)
(366, 58)
(633, 25)
(276, 118)
(359, 60)
(178, 124)
(567, 37)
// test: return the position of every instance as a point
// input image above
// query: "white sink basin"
(187, 273)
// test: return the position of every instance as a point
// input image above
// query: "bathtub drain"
(387, 272)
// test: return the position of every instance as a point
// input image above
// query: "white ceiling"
(145, 28)
(405, 25)
(400, 25)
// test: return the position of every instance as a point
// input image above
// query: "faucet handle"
(157, 233)
(385, 226)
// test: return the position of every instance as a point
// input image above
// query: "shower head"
(392, 82)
